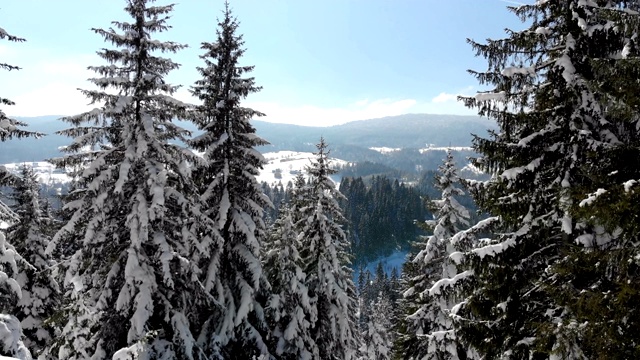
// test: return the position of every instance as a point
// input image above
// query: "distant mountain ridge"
(402, 131)
(351, 141)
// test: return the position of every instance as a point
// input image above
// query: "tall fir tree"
(551, 99)
(31, 236)
(11, 335)
(10, 292)
(9, 129)
(377, 336)
(134, 284)
(428, 330)
(232, 196)
(290, 308)
(598, 281)
(326, 262)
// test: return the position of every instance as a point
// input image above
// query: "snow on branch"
(437, 287)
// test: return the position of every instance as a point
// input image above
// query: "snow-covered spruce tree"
(599, 281)
(11, 337)
(289, 310)
(556, 116)
(9, 129)
(376, 338)
(428, 330)
(30, 237)
(300, 196)
(133, 283)
(232, 196)
(10, 293)
(326, 261)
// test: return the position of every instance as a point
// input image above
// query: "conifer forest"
(166, 246)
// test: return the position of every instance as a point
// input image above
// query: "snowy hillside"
(385, 150)
(282, 166)
(46, 172)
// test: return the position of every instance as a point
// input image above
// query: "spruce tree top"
(222, 85)
(9, 128)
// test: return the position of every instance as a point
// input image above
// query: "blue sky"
(319, 62)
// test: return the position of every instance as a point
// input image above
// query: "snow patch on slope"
(385, 150)
(284, 166)
(45, 172)
(431, 147)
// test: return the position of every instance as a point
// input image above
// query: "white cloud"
(444, 97)
(49, 86)
(52, 99)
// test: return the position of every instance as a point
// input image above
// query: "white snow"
(45, 171)
(490, 96)
(11, 338)
(431, 147)
(395, 260)
(514, 70)
(592, 197)
(437, 287)
(385, 150)
(494, 249)
(288, 164)
(629, 184)
(543, 31)
(472, 169)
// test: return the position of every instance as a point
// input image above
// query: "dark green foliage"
(366, 169)
(231, 197)
(381, 216)
(544, 280)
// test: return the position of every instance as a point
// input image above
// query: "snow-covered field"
(46, 172)
(385, 150)
(281, 166)
(285, 165)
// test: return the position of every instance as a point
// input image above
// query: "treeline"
(381, 215)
